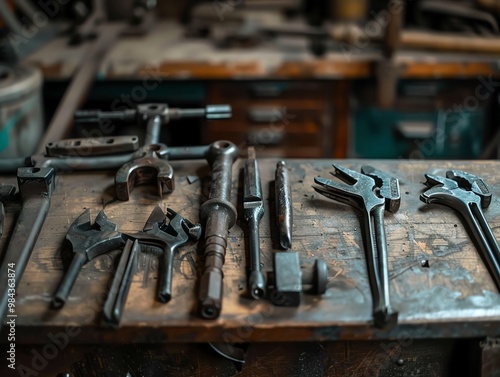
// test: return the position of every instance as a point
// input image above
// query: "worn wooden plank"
(433, 302)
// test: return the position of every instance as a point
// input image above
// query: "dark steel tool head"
(447, 192)
(175, 232)
(357, 191)
(95, 239)
(388, 187)
(170, 235)
(471, 182)
(147, 167)
(253, 202)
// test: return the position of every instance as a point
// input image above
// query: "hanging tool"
(284, 214)
(370, 193)
(219, 215)
(253, 205)
(467, 194)
(36, 186)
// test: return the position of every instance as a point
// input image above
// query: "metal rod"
(284, 213)
(60, 125)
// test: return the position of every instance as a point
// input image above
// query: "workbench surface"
(453, 297)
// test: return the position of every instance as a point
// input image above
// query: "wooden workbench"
(454, 297)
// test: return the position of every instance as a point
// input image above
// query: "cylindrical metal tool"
(253, 205)
(284, 215)
(218, 215)
(21, 114)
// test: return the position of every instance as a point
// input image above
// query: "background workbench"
(454, 297)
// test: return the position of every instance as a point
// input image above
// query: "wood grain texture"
(436, 358)
(454, 297)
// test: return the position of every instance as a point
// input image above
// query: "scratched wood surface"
(454, 297)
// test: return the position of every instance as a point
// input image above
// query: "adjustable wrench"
(370, 193)
(467, 194)
(175, 233)
(92, 240)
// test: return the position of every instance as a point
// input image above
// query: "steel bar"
(60, 125)
(35, 186)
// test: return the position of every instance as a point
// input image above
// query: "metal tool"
(284, 213)
(177, 232)
(219, 215)
(92, 240)
(92, 146)
(141, 166)
(370, 193)
(88, 242)
(6, 193)
(147, 164)
(166, 113)
(287, 279)
(35, 187)
(118, 292)
(174, 234)
(467, 194)
(253, 205)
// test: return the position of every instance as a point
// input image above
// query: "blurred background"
(392, 79)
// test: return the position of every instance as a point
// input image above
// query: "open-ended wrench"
(467, 194)
(370, 193)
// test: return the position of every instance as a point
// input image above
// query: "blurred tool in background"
(21, 113)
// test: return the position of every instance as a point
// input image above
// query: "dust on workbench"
(432, 301)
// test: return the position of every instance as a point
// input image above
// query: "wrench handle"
(488, 233)
(68, 280)
(485, 240)
(371, 261)
(382, 257)
(118, 293)
(166, 274)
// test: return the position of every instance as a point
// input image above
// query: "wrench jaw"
(88, 241)
(147, 169)
(388, 187)
(350, 177)
(337, 191)
(170, 235)
(471, 182)
(193, 231)
(446, 192)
